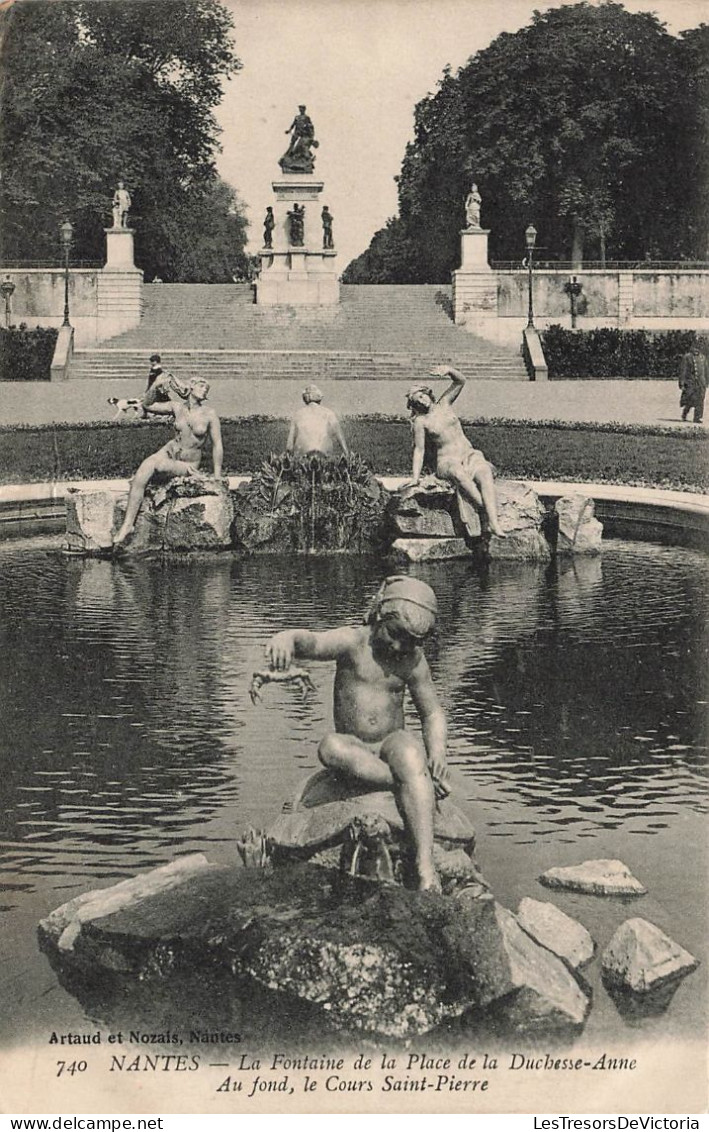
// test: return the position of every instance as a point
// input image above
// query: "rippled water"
(576, 698)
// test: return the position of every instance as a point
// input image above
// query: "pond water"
(576, 697)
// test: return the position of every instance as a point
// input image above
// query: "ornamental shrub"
(608, 352)
(311, 502)
(26, 355)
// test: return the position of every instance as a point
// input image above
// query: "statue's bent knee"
(403, 753)
(328, 751)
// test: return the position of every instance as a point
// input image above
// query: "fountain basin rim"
(26, 509)
(683, 500)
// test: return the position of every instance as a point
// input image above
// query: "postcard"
(202, 914)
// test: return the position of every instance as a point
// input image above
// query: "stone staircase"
(375, 333)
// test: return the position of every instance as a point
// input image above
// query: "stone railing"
(493, 301)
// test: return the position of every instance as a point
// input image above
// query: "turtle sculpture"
(336, 821)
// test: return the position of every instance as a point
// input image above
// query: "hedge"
(26, 355)
(611, 353)
(632, 454)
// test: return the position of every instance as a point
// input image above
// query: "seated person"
(376, 664)
(315, 428)
(195, 422)
(155, 370)
(456, 460)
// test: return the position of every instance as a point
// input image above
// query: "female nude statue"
(457, 461)
(182, 456)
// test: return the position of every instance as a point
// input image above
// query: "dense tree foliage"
(695, 171)
(591, 123)
(97, 91)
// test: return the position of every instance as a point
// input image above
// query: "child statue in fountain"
(315, 428)
(376, 664)
(195, 423)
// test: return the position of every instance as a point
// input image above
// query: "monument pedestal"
(474, 283)
(120, 285)
(295, 275)
(119, 249)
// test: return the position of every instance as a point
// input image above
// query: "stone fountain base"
(429, 524)
(184, 513)
(372, 958)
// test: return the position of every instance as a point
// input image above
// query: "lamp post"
(530, 237)
(66, 233)
(7, 290)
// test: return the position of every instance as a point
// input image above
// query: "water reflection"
(575, 697)
(579, 682)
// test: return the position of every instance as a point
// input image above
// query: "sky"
(360, 67)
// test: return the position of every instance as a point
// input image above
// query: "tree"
(695, 171)
(577, 123)
(390, 258)
(200, 239)
(93, 92)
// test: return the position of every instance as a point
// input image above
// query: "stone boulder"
(601, 877)
(428, 549)
(92, 519)
(553, 929)
(430, 511)
(186, 513)
(376, 959)
(431, 522)
(521, 513)
(64, 925)
(198, 514)
(641, 958)
(527, 990)
(579, 532)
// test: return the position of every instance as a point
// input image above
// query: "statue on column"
(296, 226)
(269, 223)
(327, 219)
(121, 206)
(472, 208)
(298, 157)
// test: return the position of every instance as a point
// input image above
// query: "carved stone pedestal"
(298, 275)
(119, 249)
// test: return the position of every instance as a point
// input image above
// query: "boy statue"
(377, 663)
(315, 428)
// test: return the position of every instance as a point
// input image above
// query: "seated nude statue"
(456, 460)
(182, 456)
(315, 428)
(377, 663)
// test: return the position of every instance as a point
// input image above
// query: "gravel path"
(640, 402)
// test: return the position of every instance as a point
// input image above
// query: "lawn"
(647, 455)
